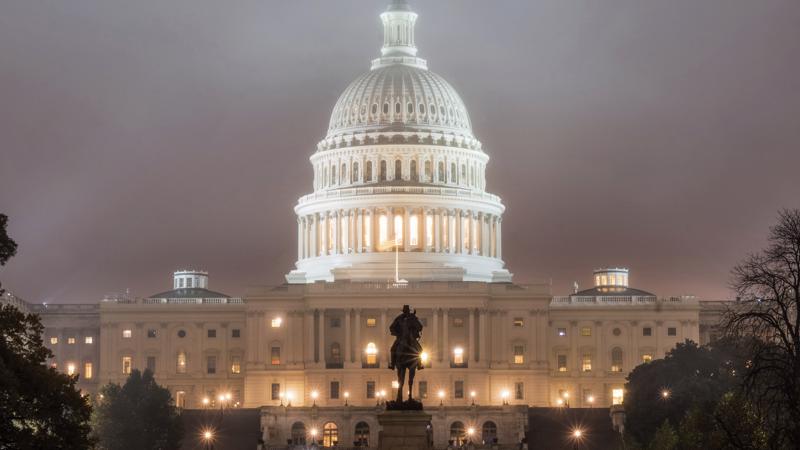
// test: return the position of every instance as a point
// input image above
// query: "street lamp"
(560, 401)
(313, 436)
(504, 395)
(665, 394)
(207, 436)
(470, 433)
(314, 395)
(424, 357)
(577, 436)
(472, 395)
(590, 399)
(346, 396)
(206, 401)
(441, 397)
(280, 396)
(289, 398)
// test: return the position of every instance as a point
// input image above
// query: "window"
(489, 432)
(422, 389)
(519, 390)
(458, 322)
(70, 340)
(53, 340)
(561, 332)
(87, 371)
(368, 172)
(70, 368)
(586, 331)
(127, 334)
(519, 322)
(458, 389)
(617, 396)
(562, 362)
(151, 333)
(127, 362)
(275, 355)
(458, 356)
(672, 331)
(414, 171)
(616, 359)
(236, 333)
(180, 399)
(647, 331)
(371, 354)
(453, 172)
(236, 364)
(334, 391)
(370, 389)
(362, 435)
(336, 322)
(276, 391)
(458, 434)
(276, 322)
(181, 363)
(397, 108)
(383, 171)
(181, 334)
(398, 229)
(298, 433)
(371, 322)
(646, 358)
(410, 108)
(427, 170)
(151, 364)
(441, 172)
(519, 354)
(330, 432)
(616, 332)
(336, 353)
(211, 365)
(413, 231)
(188, 282)
(586, 362)
(212, 333)
(354, 173)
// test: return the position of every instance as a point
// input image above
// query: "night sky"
(140, 137)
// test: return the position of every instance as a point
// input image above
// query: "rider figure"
(409, 323)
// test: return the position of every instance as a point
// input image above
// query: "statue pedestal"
(404, 430)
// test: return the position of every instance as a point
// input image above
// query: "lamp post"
(441, 397)
(346, 397)
(472, 395)
(313, 436)
(314, 395)
(504, 395)
(280, 396)
(566, 399)
(207, 437)
(665, 394)
(577, 436)
(590, 399)
(470, 433)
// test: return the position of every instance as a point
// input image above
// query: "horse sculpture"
(406, 353)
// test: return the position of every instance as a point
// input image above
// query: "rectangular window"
(562, 363)
(236, 333)
(71, 340)
(519, 322)
(212, 333)
(646, 358)
(151, 364)
(519, 390)
(236, 364)
(336, 322)
(181, 363)
(617, 396)
(370, 389)
(429, 231)
(334, 390)
(458, 389)
(71, 369)
(672, 331)
(88, 340)
(519, 354)
(53, 340)
(127, 334)
(458, 322)
(275, 357)
(180, 399)
(586, 331)
(211, 365)
(276, 391)
(458, 356)
(413, 231)
(561, 332)
(127, 362)
(422, 388)
(647, 331)
(151, 333)
(370, 322)
(87, 371)
(276, 322)
(586, 363)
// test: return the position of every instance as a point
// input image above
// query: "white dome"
(399, 97)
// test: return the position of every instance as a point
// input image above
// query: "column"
(324, 234)
(370, 243)
(451, 231)
(437, 232)
(483, 337)
(407, 229)
(633, 348)
(384, 351)
(445, 339)
(310, 354)
(472, 232)
(321, 323)
(289, 347)
(337, 233)
(299, 238)
(473, 343)
(314, 229)
(499, 239)
(390, 225)
(543, 336)
(347, 331)
(359, 218)
(423, 222)
(434, 345)
(459, 238)
(359, 348)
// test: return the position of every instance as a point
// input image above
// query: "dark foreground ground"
(553, 428)
(233, 430)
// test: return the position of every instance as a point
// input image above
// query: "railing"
(625, 300)
(175, 301)
(376, 190)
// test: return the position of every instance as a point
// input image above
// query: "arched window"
(463, 173)
(398, 169)
(325, 176)
(458, 434)
(397, 108)
(410, 108)
(371, 354)
(330, 435)
(298, 433)
(383, 229)
(368, 172)
(453, 173)
(333, 175)
(489, 432)
(398, 229)
(616, 359)
(361, 438)
(414, 173)
(421, 108)
(383, 170)
(386, 108)
(374, 109)
(336, 353)
(441, 173)
(413, 230)
(355, 172)
(344, 172)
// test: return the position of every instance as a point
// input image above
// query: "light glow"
(277, 322)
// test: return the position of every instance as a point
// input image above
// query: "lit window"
(616, 359)
(371, 353)
(398, 229)
(181, 363)
(646, 358)
(413, 231)
(458, 322)
(586, 331)
(53, 340)
(87, 370)
(617, 396)
(70, 369)
(275, 358)
(236, 364)
(458, 355)
(371, 322)
(562, 332)
(127, 334)
(88, 340)
(71, 340)
(428, 220)
(127, 361)
(383, 229)
(586, 363)
(562, 363)
(647, 331)
(519, 321)
(276, 322)
(672, 331)
(180, 399)
(519, 354)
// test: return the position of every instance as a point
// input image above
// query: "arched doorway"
(458, 434)
(298, 433)
(361, 435)
(489, 432)
(330, 435)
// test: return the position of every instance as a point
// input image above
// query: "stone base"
(404, 430)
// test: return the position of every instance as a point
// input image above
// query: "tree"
(8, 247)
(665, 438)
(39, 407)
(140, 415)
(768, 285)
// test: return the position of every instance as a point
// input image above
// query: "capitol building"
(399, 215)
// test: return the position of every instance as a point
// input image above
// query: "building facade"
(399, 215)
